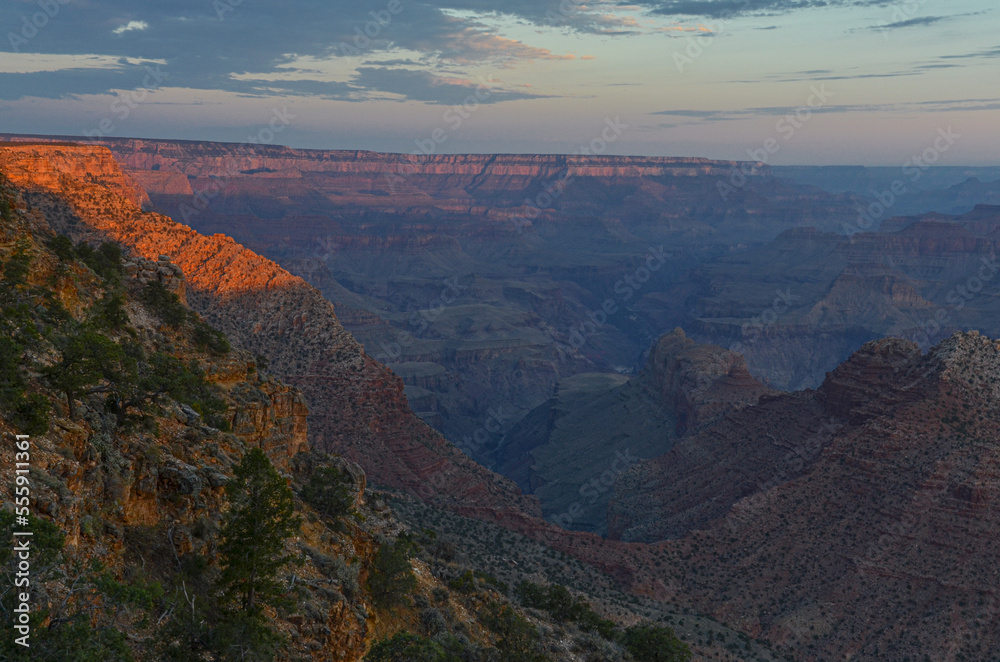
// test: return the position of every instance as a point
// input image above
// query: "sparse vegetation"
(391, 579)
(164, 304)
(261, 517)
(330, 492)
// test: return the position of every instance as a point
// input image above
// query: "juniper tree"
(261, 517)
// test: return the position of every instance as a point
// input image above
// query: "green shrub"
(563, 607)
(31, 414)
(330, 492)
(164, 304)
(62, 247)
(406, 647)
(109, 313)
(211, 340)
(28, 412)
(653, 643)
(517, 639)
(186, 384)
(391, 578)
(464, 583)
(105, 261)
(18, 265)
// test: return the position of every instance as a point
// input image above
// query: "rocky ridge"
(855, 520)
(357, 405)
(136, 503)
(569, 451)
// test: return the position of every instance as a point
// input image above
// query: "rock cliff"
(570, 451)
(856, 520)
(357, 406)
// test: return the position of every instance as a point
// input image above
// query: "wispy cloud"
(947, 105)
(733, 8)
(131, 26)
(249, 51)
(423, 86)
(988, 53)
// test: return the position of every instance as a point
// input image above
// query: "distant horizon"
(85, 140)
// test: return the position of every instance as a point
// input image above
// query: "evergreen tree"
(87, 358)
(260, 518)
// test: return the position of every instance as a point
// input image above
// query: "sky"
(804, 82)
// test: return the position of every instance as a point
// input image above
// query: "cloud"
(594, 17)
(946, 105)
(721, 9)
(424, 86)
(131, 26)
(819, 75)
(248, 47)
(912, 22)
(27, 63)
(470, 45)
(919, 21)
(989, 54)
(686, 28)
(725, 9)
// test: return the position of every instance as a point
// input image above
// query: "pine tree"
(261, 517)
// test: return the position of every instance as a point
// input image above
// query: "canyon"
(852, 517)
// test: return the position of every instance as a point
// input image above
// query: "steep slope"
(357, 406)
(478, 278)
(569, 451)
(131, 464)
(870, 537)
(129, 471)
(798, 307)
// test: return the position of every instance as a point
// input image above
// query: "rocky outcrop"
(489, 266)
(92, 164)
(701, 478)
(162, 270)
(357, 406)
(884, 543)
(570, 451)
(700, 383)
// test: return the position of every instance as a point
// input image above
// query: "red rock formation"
(357, 405)
(699, 383)
(871, 538)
